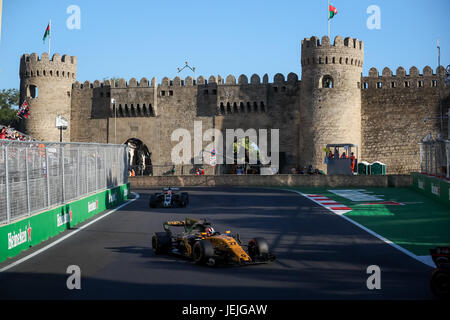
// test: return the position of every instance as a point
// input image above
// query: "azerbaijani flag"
(333, 11)
(46, 33)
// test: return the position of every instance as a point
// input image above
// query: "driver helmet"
(210, 231)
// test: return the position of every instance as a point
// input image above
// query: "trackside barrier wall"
(23, 234)
(438, 189)
(278, 180)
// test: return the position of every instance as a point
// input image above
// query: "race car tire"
(202, 251)
(161, 242)
(441, 260)
(258, 249)
(184, 199)
(153, 200)
(440, 282)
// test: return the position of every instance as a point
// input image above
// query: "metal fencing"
(435, 157)
(39, 175)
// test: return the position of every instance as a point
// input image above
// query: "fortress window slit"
(327, 82)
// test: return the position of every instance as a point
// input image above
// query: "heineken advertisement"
(435, 188)
(21, 235)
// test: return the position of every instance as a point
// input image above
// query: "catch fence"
(35, 176)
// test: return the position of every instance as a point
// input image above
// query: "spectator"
(353, 158)
(310, 169)
(344, 156)
(336, 153)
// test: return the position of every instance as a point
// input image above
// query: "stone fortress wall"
(386, 122)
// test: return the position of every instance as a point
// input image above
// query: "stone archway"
(139, 157)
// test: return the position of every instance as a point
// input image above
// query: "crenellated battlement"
(348, 51)
(33, 65)
(400, 72)
(230, 80)
(402, 79)
(339, 42)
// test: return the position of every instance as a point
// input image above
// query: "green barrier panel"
(435, 188)
(23, 234)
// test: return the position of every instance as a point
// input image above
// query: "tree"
(9, 100)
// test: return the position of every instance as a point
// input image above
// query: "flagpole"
(328, 13)
(49, 37)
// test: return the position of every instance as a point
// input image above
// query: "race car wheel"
(441, 260)
(258, 249)
(161, 242)
(202, 251)
(440, 283)
(184, 199)
(153, 199)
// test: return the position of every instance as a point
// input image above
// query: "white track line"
(423, 259)
(67, 235)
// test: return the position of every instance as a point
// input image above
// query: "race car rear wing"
(187, 224)
(173, 189)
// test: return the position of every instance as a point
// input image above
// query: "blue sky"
(153, 38)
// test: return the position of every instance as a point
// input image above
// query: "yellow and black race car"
(201, 243)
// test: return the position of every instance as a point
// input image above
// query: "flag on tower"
(333, 11)
(46, 33)
(24, 110)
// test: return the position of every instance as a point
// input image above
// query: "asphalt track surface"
(319, 255)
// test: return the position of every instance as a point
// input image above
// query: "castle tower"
(47, 87)
(330, 96)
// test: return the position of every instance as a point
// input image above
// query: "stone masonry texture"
(382, 114)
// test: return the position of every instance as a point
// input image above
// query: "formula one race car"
(169, 199)
(201, 243)
(440, 278)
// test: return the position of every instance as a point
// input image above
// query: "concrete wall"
(283, 180)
